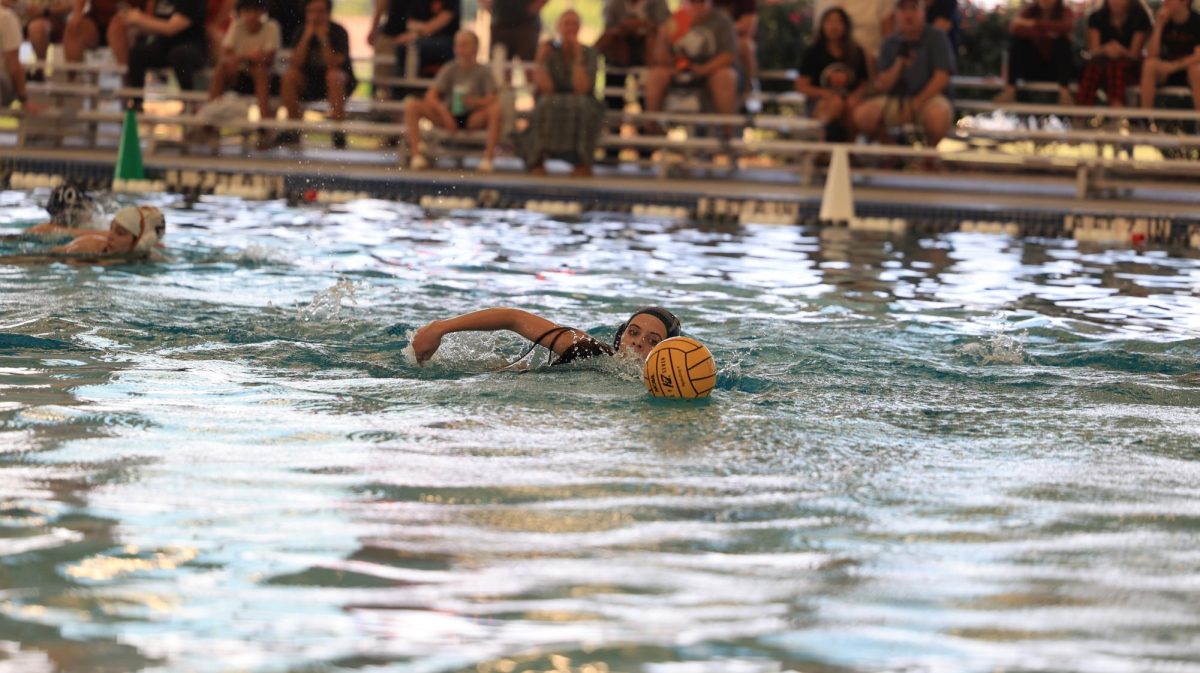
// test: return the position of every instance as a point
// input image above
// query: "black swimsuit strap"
(556, 331)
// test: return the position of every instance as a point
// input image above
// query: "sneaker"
(1007, 95)
(339, 140)
(418, 163)
(486, 166)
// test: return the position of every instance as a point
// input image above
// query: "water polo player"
(133, 233)
(637, 335)
(71, 212)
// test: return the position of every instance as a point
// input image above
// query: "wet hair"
(667, 318)
(68, 197)
(851, 51)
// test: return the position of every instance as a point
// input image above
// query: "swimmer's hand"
(426, 341)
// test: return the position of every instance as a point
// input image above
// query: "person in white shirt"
(247, 54)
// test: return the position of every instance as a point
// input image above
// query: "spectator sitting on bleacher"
(172, 35)
(915, 65)
(430, 25)
(630, 29)
(702, 54)
(744, 14)
(463, 96)
(12, 75)
(1116, 34)
(319, 70)
(247, 56)
(1173, 52)
(100, 25)
(1039, 49)
(833, 75)
(45, 22)
(566, 121)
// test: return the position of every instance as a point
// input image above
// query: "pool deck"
(939, 200)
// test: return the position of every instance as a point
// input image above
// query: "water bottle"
(601, 77)
(457, 107)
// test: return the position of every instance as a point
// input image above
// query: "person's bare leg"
(722, 87)
(414, 110)
(493, 131)
(222, 75)
(1149, 81)
(289, 91)
(936, 117)
(335, 84)
(868, 117)
(80, 35)
(38, 31)
(828, 109)
(657, 81)
(262, 90)
(118, 39)
(1194, 82)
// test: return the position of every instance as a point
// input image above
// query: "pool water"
(962, 452)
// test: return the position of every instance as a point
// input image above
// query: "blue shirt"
(928, 54)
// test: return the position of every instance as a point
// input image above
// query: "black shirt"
(290, 15)
(1137, 21)
(193, 10)
(339, 42)
(819, 66)
(1179, 40)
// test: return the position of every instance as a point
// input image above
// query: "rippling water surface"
(958, 453)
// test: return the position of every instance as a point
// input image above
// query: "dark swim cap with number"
(67, 198)
(664, 316)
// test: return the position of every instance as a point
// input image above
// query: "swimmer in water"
(133, 232)
(70, 209)
(132, 235)
(636, 336)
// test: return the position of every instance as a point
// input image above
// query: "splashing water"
(327, 304)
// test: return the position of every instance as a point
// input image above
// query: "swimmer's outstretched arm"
(558, 339)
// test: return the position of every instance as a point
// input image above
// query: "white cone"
(837, 204)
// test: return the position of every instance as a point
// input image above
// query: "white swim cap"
(146, 223)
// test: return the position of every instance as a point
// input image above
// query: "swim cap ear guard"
(667, 318)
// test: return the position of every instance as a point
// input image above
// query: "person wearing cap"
(912, 80)
(71, 212)
(635, 337)
(247, 54)
(133, 232)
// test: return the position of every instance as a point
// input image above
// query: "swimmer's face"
(119, 239)
(642, 334)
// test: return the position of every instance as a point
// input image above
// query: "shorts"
(244, 84)
(315, 88)
(892, 107)
(1178, 78)
(58, 26)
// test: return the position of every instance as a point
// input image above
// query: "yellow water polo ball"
(680, 367)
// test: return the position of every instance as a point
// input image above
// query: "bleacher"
(84, 110)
